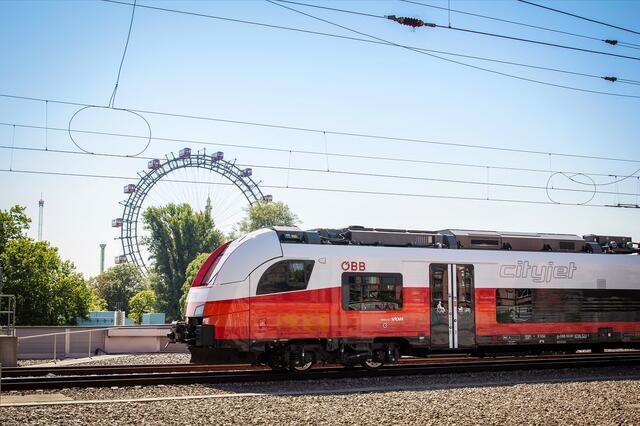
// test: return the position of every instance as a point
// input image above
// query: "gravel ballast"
(146, 359)
(598, 396)
(128, 359)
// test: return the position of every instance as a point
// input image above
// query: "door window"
(464, 282)
(439, 290)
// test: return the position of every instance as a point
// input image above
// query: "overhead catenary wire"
(337, 36)
(542, 43)
(46, 124)
(523, 24)
(124, 53)
(13, 142)
(368, 174)
(580, 17)
(324, 189)
(517, 77)
(341, 133)
(622, 80)
(467, 30)
(324, 153)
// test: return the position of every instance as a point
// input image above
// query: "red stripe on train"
(319, 314)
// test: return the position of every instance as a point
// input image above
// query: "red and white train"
(290, 298)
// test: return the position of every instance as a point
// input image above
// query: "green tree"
(263, 214)
(96, 303)
(176, 235)
(141, 303)
(192, 270)
(118, 284)
(13, 224)
(48, 290)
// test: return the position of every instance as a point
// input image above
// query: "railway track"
(191, 374)
(82, 370)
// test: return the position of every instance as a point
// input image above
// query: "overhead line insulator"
(410, 22)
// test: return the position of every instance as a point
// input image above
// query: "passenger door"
(451, 290)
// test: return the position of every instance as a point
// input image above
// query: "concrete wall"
(8, 351)
(70, 344)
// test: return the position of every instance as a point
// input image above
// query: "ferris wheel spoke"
(230, 220)
(229, 206)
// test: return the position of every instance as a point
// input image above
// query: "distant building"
(102, 319)
(154, 318)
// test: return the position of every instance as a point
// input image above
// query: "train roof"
(459, 239)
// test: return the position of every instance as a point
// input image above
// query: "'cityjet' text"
(538, 273)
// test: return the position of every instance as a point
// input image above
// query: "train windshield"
(244, 255)
(217, 264)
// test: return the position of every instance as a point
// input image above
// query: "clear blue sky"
(185, 64)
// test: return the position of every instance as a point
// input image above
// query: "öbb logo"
(353, 266)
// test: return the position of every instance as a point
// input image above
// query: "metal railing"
(67, 333)
(7, 314)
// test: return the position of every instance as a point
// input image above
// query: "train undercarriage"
(284, 354)
(300, 355)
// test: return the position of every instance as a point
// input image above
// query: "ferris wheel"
(236, 181)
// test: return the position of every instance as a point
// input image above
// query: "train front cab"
(217, 312)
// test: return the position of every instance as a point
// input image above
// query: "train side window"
(287, 275)
(552, 305)
(514, 305)
(371, 292)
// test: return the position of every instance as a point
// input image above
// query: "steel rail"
(81, 370)
(86, 370)
(211, 377)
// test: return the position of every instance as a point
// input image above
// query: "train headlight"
(199, 311)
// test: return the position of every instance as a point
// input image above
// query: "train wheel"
(370, 364)
(302, 368)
